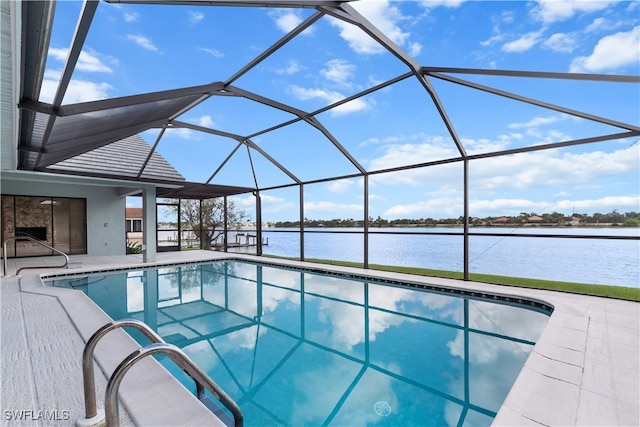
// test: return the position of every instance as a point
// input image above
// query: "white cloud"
(561, 42)
(602, 24)
(406, 154)
(537, 122)
(182, 133)
(414, 48)
(143, 42)
(195, 17)
(505, 206)
(442, 207)
(524, 43)
(432, 4)
(330, 97)
(305, 94)
(508, 16)
(551, 168)
(312, 209)
(596, 25)
(523, 171)
(292, 67)
(433, 207)
(610, 53)
(358, 41)
(483, 145)
(288, 20)
(245, 202)
(508, 206)
(213, 52)
(341, 186)
(549, 11)
(130, 17)
(603, 204)
(353, 106)
(186, 133)
(492, 40)
(78, 90)
(381, 14)
(274, 205)
(84, 91)
(205, 121)
(88, 60)
(338, 71)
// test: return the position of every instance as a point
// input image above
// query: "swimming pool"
(296, 347)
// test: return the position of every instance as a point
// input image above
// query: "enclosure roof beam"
(590, 140)
(536, 102)
(535, 74)
(277, 45)
(125, 101)
(153, 149)
(241, 140)
(424, 80)
(347, 13)
(302, 115)
(82, 29)
(297, 4)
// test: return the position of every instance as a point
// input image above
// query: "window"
(134, 225)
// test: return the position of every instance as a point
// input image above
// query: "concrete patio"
(584, 369)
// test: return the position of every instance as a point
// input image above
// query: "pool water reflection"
(300, 348)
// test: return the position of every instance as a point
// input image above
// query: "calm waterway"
(598, 261)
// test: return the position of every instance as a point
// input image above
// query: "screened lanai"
(357, 111)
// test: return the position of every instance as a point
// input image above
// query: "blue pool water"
(301, 348)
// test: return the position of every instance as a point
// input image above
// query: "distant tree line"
(613, 218)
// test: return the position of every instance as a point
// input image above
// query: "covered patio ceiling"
(53, 132)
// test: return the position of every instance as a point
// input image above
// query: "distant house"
(502, 220)
(574, 220)
(133, 225)
(535, 219)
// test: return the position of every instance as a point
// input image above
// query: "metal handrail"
(200, 378)
(88, 378)
(182, 360)
(4, 253)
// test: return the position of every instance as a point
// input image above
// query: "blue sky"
(133, 49)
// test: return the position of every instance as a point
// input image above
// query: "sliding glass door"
(57, 221)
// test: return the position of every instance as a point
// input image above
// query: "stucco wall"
(105, 211)
(8, 83)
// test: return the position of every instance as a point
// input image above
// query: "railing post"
(4, 253)
(92, 417)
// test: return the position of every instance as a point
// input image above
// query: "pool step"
(217, 410)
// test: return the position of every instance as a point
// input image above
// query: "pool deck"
(584, 370)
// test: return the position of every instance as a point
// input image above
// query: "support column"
(465, 267)
(225, 228)
(149, 225)
(258, 223)
(366, 222)
(301, 222)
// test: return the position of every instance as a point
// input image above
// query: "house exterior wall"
(105, 211)
(9, 15)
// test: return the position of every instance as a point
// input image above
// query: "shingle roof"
(122, 159)
(133, 212)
